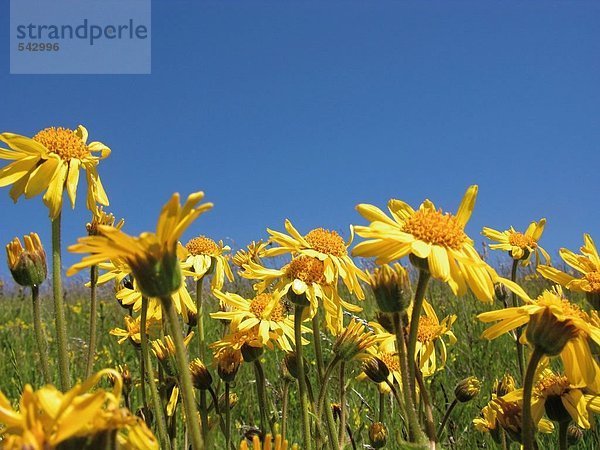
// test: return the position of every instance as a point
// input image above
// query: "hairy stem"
(528, 425)
(301, 380)
(59, 308)
(39, 334)
(89, 367)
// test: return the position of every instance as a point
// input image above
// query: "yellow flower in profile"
(266, 311)
(50, 161)
(432, 235)
(133, 329)
(27, 265)
(325, 245)
(248, 339)
(520, 246)
(48, 417)
(152, 257)
(101, 217)
(254, 252)
(559, 399)
(559, 324)
(303, 275)
(203, 256)
(587, 263)
(269, 443)
(354, 341)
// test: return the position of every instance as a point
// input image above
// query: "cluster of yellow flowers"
(317, 283)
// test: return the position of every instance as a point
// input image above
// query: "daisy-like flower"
(266, 311)
(50, 161)
(254, 252)
(303, 275)
(269, 443)
(587, 264)
(520, 246)
(101, 217)
(354, 341)
(432, 235)
(152, 257)
(249, 338)
(559, 399)
(558, 327)
(133, 329)
(203, 256)
(326, 246)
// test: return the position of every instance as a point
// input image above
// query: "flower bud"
(233, 400)
(228, 363)
(378, 435)
(353, 340)
(500, 292)
(504, 385)
(548, 333)
(27, 265)
(390, 287)
(574, 434)
(201, 377)
(376, 370)
(250, 353)
(291, 363)
(467, 389)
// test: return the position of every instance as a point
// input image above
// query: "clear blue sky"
(304, 109)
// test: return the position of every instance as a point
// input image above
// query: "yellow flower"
(133, 329)
(254, 252)
(355, 340)
(48, 417)
(203, 256)
(566, 322)
(100, 217)
(245, 340)
(519, 245)
(304, 275)
(152, 257)
(269, 443)
(434, 237)
(588, 264)
(50, 161)
(325, 245)
(266, 311)
(555, 395)
(27, 265)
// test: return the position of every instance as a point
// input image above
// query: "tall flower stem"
(414, 327)
(284, 408)
(299, 309)
(59, 308)
(528, 425)
(322, 407)
(159, 412)
(262, 397)
(318, 349)
(228, 417)
(519, 330)
(342, 428)
(380, 417)
(204, 416)
(39, 334)
(563, 436)
(200, 313)
(447, 416)
(185, 378)
(89, 367)
(429, 425)
(409, 405)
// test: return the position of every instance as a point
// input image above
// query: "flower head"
(203, 256)
(27, 265)
(520, 246)
(152, 257)
(50, 161)
(391, 287)
(434, 239)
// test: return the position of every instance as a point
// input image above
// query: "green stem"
(318, 349)
(528, 425)
(409, 405)
(93, 313)
(447, 416)
(185, 378)
(321, 407)
(159, 412)
(414, 327)
(262, 397)
(39, 334)
(429, 425)
(519, 330)
(301, 380)
(204, 415)
(59, 308)
(284, 408)
(228, 417)
(563, 438)
(381, 407)
(342, 427)
(200, 313)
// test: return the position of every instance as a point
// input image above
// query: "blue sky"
(304, 109)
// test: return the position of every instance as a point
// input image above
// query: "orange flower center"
(428, 330)
(62, 142)
(307, 269)
(551, 385)
(435, 227)
(593, 278)
(326, 241)
(260, 303)
(202, 245)
(391, 361)
(521, 240)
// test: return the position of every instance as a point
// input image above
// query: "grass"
(469, 356)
